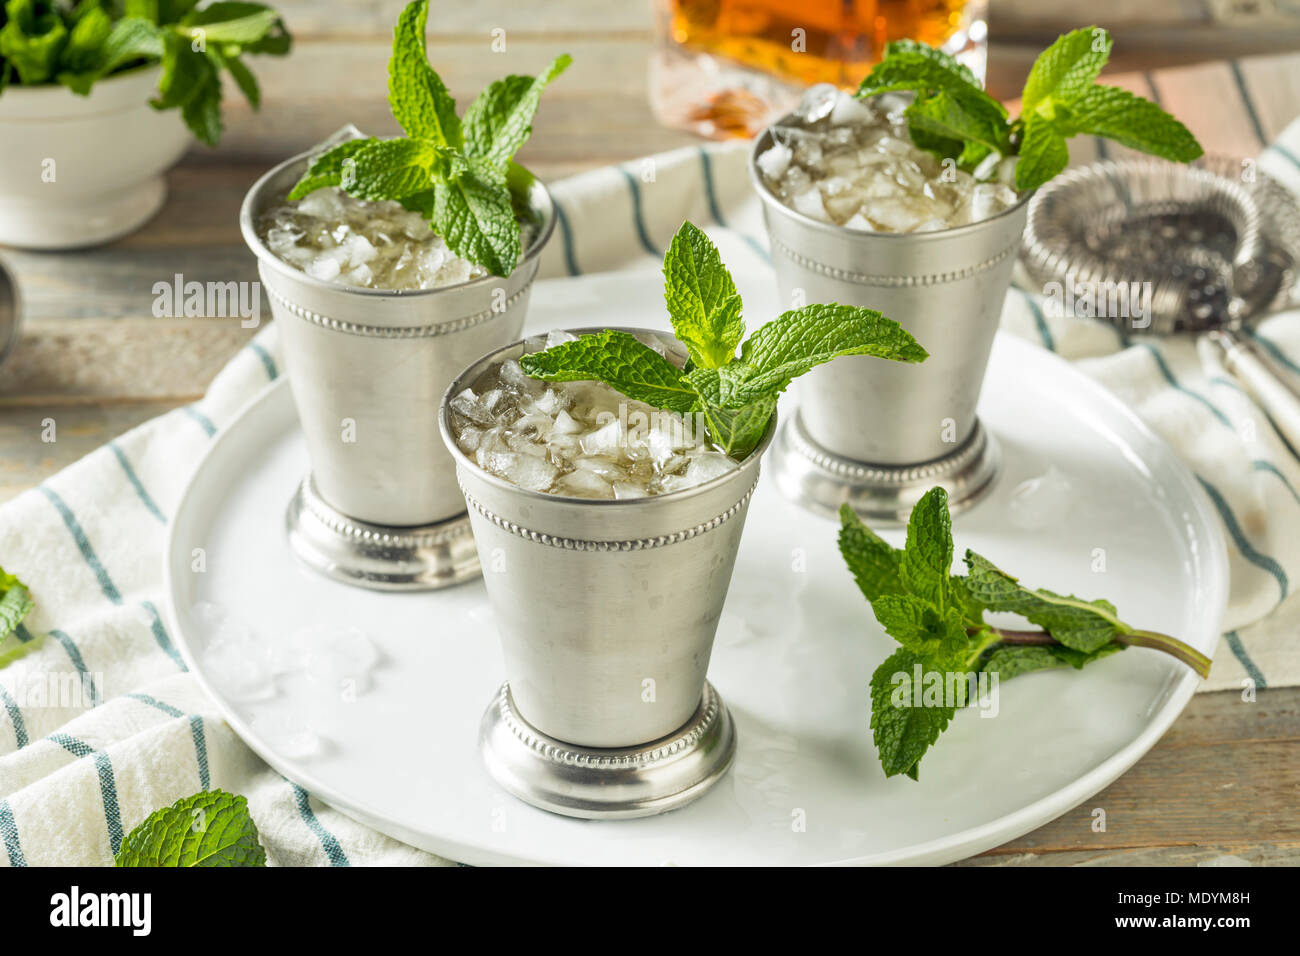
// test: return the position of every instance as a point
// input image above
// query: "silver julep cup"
(606, 611)
(367, 368)
(880, 434)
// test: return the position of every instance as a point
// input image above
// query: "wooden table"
(1224, 781)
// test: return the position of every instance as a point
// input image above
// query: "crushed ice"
(375, 245)
(852, 162)
(579, 439)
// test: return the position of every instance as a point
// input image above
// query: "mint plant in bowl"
(98, 99)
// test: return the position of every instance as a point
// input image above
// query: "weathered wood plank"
(26, 460)
(1226, 774)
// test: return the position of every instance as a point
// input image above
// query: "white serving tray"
(794, 652)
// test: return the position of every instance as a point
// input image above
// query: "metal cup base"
(822, 481)
(607, 784)
(373, 556)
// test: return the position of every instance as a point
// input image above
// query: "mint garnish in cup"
(734, 393)
(953, 118)
(77, 46)
(938, 619)
(456, 172)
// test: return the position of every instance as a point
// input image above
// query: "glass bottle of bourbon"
(725, 68)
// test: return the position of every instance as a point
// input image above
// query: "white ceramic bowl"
(81, 170)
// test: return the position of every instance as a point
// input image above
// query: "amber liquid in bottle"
(797, 42)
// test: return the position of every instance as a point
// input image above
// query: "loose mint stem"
(1152, 639)
(1171, 646)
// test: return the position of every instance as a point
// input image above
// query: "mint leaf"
(329, 167)
(15, 603)
(927, 556)
(212, 828)
(86, 41)
(230, 22)
(1065, 70)
(1043, 154)
(943, 118)
(132, 38)
(619, 360)
(702, 299)
(1134, 122)
(903, 732)
(945, 61)
(500, 120)
(1011, 660)
(799, 340)
(391, 167)
(419, 99)
(243, 78)
(475, 216)
(32, 41)
(922, 628)
(1082, 625)
(910, 69)
(738, 431)
(872, 562)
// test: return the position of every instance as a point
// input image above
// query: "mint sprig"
(77, 46)
(15, 603)
(954, 118)
(457, 173)
(938, 619)
(736, 394)
(211, 828)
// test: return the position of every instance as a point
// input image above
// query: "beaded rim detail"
(581, 544)
(938, 278)
(397, 332)
(883, 474)
(706, 716)
(432, 536)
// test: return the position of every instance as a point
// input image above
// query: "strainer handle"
(1275, 391)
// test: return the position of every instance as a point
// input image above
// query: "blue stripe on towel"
(715, 210)
(1272, 349)
(108, 791)
(327, 840)
(1286, 154)
(268, 363)
(1239, 652)
(1253, 116)
(16, 717)
(1262, 561)
(83, 545)
(638, 216)
(134, 479)
(107, 783)
(87, 682)
(1040, 321)
(1174, 383)
(200, 751)
(566, 236)
(9, 833)
(78, 748)
(196, 731)
(1260, 465)
(1151, 87)
(203, 421)
(160, 634)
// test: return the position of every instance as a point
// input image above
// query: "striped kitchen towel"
(102, 724)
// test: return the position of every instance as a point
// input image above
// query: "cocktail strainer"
(1160, 247)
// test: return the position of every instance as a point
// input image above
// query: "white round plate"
(794, 652)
